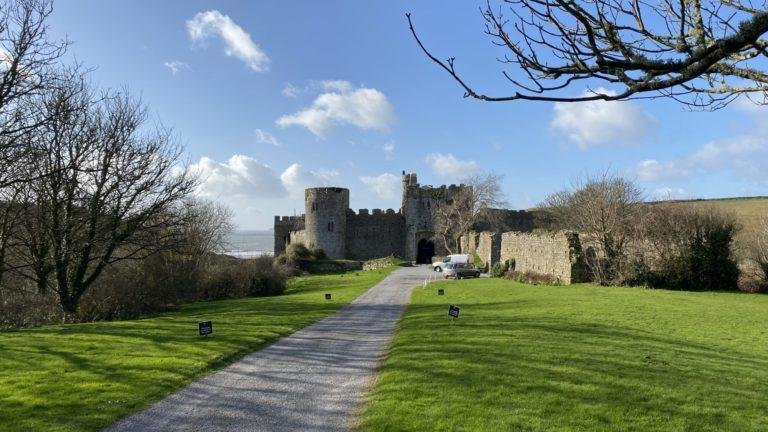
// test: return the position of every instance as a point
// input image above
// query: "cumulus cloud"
(744, 156)
(237, 42)
(385, 186)
(342, 104)
(296, 178)
(240, 176)
(265, 137)
(601, 122)
(176, 66)
(447, 166)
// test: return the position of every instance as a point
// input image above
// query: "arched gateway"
(425, 250)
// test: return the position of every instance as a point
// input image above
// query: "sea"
(250, 243)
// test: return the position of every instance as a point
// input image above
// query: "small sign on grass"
(205, 328)
(327, 296)
(453, 311)
(440, 291)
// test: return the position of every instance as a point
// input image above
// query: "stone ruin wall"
(557, 254)
(486, 244)
(285, 227)
(375, 234)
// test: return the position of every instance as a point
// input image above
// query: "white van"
(455, 258)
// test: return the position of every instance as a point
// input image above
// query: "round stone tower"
(326, 220)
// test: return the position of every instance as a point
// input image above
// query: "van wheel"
(438, 269)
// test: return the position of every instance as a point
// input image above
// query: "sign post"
(327, 296)
(440, 291)
(205, 328)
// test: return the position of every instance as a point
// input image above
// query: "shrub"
(500, 268)
(532, 278)
(478, 262)
(688, 249)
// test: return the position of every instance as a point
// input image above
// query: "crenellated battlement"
(371, 213)
(289, 219)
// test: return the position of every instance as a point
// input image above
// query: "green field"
(574, 358)
(83, 377)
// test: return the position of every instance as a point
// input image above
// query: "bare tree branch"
(703, 53)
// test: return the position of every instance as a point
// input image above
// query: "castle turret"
(326, 219)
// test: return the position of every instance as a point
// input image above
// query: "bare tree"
(702, 53)
(28, 69)
(108, 189)
(468, 206)
(606, 209)
(207, 227)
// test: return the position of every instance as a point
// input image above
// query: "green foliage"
(574, 358)
(500, 268)
(83, 377)
(477, 261)
(693, 250)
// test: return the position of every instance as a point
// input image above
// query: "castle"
(329, 224)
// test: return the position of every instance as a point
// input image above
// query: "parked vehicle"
(460, 271)
(438, 266)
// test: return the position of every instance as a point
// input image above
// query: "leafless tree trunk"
(107, 189)
(701, 53)
(468, 206)
(605, 209)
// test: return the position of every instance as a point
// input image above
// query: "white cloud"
(240, 176)
(744, 156)
(385, 186)
(365, 108)
(290, 90)
(601, 122)
(336, 85)
(266, 138)
(667, 193)
(446, 165)
(295, 178)
(176, 66)
(653, 170)
(389, 150)
(237, 42)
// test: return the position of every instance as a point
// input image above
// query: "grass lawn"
(574, 358)
(83, 377)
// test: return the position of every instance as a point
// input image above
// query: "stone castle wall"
(375, 234)
(284, 226)
(486, 244)
(557, 254)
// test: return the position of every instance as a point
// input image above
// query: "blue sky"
(272, 97)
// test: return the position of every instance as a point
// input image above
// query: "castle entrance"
(425, 250)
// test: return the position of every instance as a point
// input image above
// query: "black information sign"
(327, 296)
(441, 292)
(453, 311)
(205, 328)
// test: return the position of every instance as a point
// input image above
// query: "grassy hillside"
(83, 377)
(574, 358)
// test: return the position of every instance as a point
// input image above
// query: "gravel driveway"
(313, 380)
